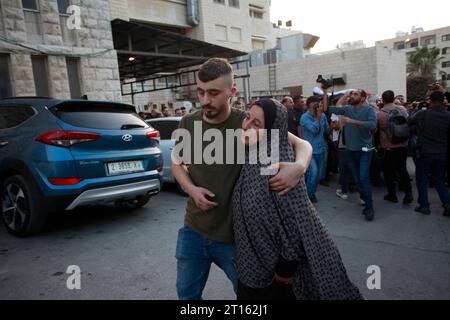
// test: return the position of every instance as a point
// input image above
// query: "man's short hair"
(297, 98)
(285, 99)
(437, 97)
(363, 93)
(312, 99)
(388, 96)
(215, 68)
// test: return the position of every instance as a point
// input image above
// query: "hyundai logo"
(127, 137)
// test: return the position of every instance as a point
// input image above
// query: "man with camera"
(314, 126)
(359, 121)
(433, 126)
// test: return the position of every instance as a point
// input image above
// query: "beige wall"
(372, 69)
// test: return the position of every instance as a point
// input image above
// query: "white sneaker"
(341, 195)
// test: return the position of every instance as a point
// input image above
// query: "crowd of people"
(367, 141)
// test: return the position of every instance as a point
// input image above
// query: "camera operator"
(315, 126)
(359, 120)
(433, 126)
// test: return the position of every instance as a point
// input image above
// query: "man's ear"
(233, 91)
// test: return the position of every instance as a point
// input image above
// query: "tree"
(423, 62)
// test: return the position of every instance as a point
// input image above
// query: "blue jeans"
(434, 165)
(361, 160)
(194, 254)
(316, 170)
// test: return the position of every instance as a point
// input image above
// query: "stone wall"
(93, 46)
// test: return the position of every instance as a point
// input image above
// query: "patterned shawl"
(267, 226)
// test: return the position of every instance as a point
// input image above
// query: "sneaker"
(369, 214)
(391, 198)
(426, 211)
(408, 198)
(313, 199)
(362, 202)
(341, 195)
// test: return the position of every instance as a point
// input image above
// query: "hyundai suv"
(62, 154)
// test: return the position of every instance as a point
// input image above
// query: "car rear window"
(165, 128)
(99, 116)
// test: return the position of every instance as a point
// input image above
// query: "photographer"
(314, 126)
(433, 126)
(359, 120)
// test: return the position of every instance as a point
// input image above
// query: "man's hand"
(288, 281)
(287, 178)
(200, 197)
(345, 120)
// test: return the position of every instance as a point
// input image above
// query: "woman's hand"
(287, 281)
(287, 178)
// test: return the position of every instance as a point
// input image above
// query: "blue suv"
(62, 154)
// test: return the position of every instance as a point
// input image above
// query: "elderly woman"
(283, 249)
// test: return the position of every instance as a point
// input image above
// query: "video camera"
(326, 83)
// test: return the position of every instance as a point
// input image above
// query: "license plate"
(123, 167)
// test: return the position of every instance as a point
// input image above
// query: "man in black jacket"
(433, 125)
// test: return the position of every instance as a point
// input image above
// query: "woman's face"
(253, 123)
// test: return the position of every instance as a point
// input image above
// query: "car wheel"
(181, 190)
(20, 208)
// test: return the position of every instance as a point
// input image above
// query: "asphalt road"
(129, 254)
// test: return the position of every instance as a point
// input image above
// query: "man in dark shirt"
(293, 121)
(299, 109)
(433, 125)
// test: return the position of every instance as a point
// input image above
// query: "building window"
(220, 1)
(446, 37)
(446, 50)
(74, 77)
(235, 35)
(5, 80)
(30, 5)
(399, 45)
(426, 41)
(414, 43)
(256, 14)
(40, 75)
(32, 21)
(221, 33)
(233, 3)
(446, 64)
(62, 6)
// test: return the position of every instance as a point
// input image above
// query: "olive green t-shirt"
(215, 224)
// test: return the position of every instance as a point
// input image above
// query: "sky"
(351, 20)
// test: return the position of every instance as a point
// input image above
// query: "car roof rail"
(27, 97)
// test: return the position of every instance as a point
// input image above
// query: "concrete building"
(408, 42)
(44, 52)
(373, 69)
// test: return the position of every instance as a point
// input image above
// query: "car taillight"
(63, 138)
(154, 135)
(64, 181)
(160, 168)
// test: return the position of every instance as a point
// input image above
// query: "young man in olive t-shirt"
(207, 235)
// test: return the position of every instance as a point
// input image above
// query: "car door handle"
(3, 143)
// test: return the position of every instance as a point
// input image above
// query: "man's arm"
(313, 126)
(291, 173)
(370, 124)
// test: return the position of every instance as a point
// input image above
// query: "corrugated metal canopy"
(156, 50)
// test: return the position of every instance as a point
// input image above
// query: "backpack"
(398, 128)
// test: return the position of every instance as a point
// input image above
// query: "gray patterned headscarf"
(267, 226)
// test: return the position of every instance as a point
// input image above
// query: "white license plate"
(115, 168)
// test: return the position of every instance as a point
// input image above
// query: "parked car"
(62, 154)
(166, 126)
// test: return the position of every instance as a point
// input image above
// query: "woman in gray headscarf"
(283, 249)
